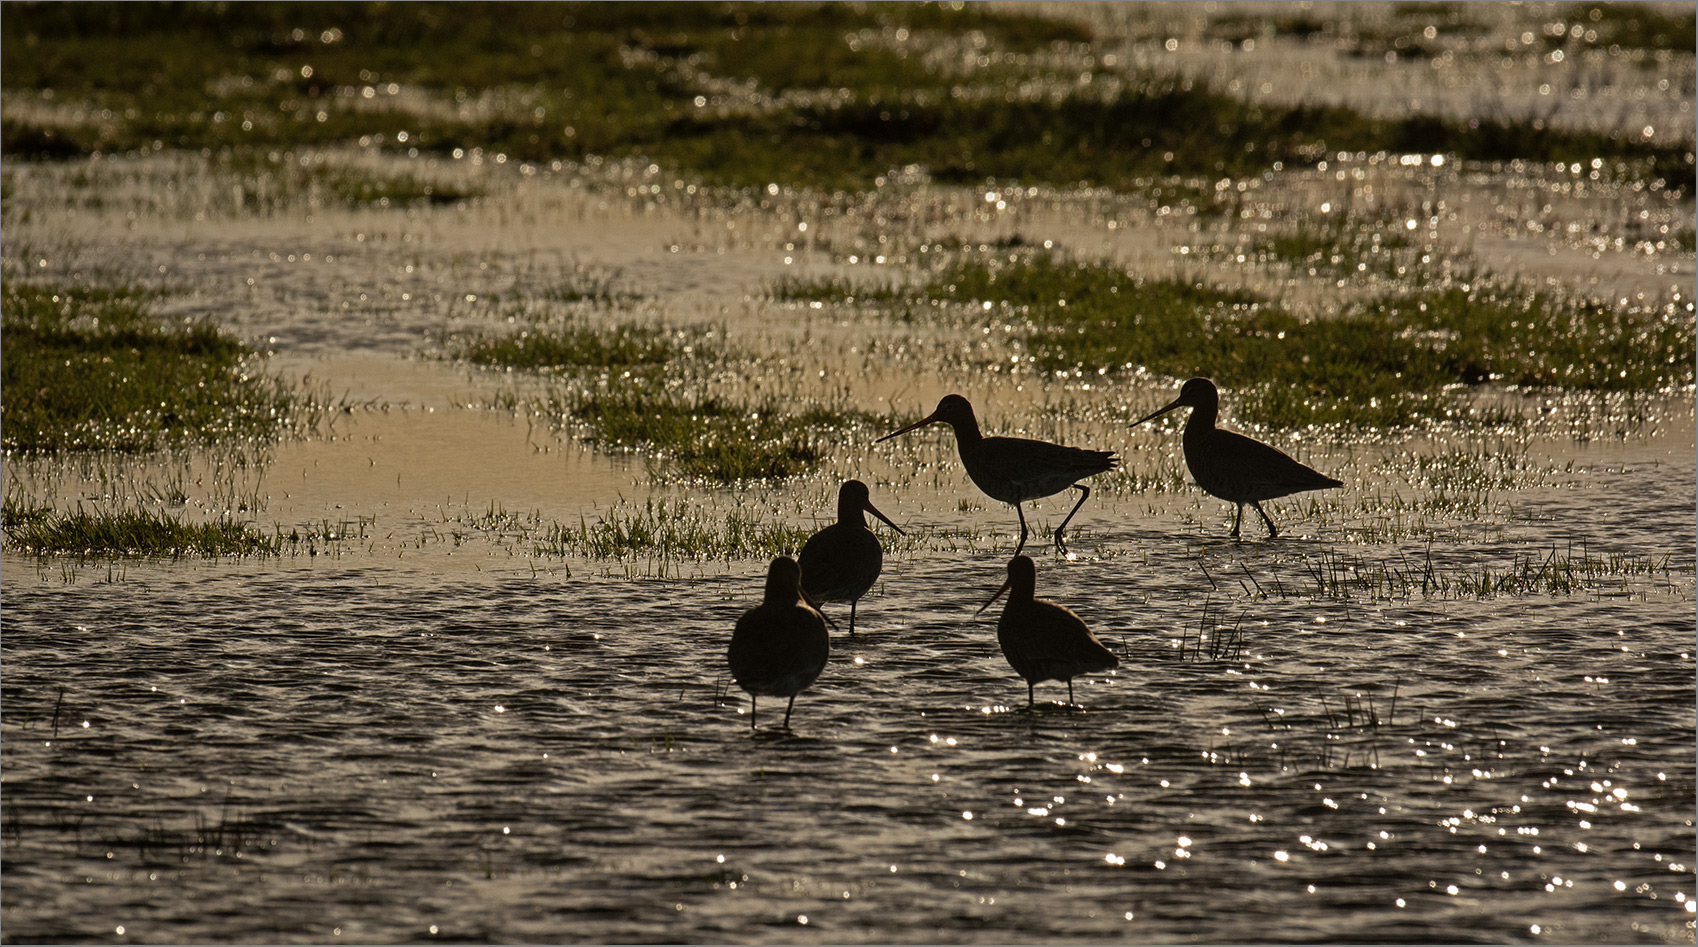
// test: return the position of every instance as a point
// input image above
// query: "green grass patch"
(94, 369)
(861, 94)
(575, 345)
(678, 529)
(138, 534)
(715, 439)
(620, 397)
(1392, 361)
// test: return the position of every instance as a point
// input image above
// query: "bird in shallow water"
(1016, 469)
(1233, 467)
(1042, 640)
(841, 562)
(780, 646)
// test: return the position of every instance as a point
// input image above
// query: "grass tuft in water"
(674, 530)
(1532, 573)
(717, 439)
(142, 534)
(94, 369)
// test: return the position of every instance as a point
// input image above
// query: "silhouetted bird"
(1042, 640)
(1015, 469)
(780, 646)
(1233, 467)
(841, 562)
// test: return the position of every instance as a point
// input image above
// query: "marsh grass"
(713, 438)
(96, 369)
(829, 98)
(631, 387)
(1393, 361)
(575, 345)
(676, 529)
(1535, 572)
(144, 534)
(1213, 640)
(835, 289)
(609, 289)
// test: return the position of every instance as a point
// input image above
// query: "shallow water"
(367, 753)
(417, 741)
(435, 727)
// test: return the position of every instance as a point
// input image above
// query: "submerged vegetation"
(98, 369)
(744, 94)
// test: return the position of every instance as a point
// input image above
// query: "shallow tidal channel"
(1453, 701)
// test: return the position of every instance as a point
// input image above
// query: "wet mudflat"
(1452, 702)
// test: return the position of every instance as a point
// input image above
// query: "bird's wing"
(1265, 468)
(840, 562)
(1018, 459)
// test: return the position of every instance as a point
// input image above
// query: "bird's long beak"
(1152, 417)
(1005, 587)
(928, 419)
(886, 519)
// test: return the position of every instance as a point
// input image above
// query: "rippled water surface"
(1454, 701)
(361, 752)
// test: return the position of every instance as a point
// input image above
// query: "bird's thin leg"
(753, 704)
(1070, 691)
(852, 616)
(1030, 700)
(1272, 532)
(1022, 544)
(1084, 494)
(1237, 521)
(787, 708)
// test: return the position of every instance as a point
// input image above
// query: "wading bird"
(1233, 467)
(841, 562)
(780, 646)
(1042, 640)
(1016, 469)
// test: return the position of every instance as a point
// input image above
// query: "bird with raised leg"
(1233, 467)
(1016, 469)
(841, 562)
(780, 646)
(1044, 641)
